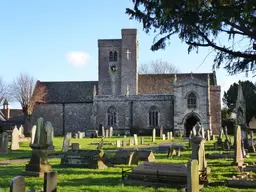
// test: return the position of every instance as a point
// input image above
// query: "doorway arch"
(190, 121)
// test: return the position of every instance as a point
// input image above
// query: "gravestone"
(252, 147)
(15, 139)
(92, 159)
(50, 182)
(38, 163)
(168, 136)
(106, 133)
(49, 131)
(163, 135)
(17, 184)
(66, 142)
(142, 140)
(123, 143)
(103, 131)
(208, 137)
(118, 144)
(111, 132)
(21, 131)
(100, 130)
(135, 137)
(80, 135)
(154, 135)
(33, 133)
(193, 176)
(75, 146)
(123, 157)
(142, 155)
(161, 132)
(131, 142)
(238, 158)
(4, 143)
(171, 135)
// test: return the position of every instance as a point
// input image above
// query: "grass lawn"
(77, 179)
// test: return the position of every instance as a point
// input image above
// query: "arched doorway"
(190, 123)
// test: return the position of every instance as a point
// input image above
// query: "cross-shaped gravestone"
(127, 54)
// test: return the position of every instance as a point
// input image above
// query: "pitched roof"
(2, 118)
(162, 83)
(70, 91)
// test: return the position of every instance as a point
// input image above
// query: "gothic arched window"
(111, 115)
(191, 101)
(115, 56)
(111, 57)
(153, 115)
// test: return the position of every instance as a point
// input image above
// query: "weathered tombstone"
(163, 135)
(202, 133)
(154, 135)
(123, 157)
(21, 130)
(4, 143)
(66, 142)
(100, 145)
(111, 132)
(142, 140)
(76, 135)
(75, 146)
(103, 131)
(84, 159)
(131, 142)
(118, 144)
(208, 137)
(168, 136)
(171, 135)
(135, 137)
(252, 148)
(15, 139)
(38, 163)
(142, 155)
(50, 182)
(161, 132)
(106, 133)
(239, 158)
(17, 184)
(193, 176)
(123, 143)
(49, 131)
(33, 133)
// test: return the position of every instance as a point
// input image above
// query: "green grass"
(91, 180)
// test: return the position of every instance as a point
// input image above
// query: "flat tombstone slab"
(17, 184)
(50, 182)
(123, 157)
(75, 146)
(143, 156)
(241, 183)
(162, 168)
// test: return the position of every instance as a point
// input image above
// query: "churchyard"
(119, 170)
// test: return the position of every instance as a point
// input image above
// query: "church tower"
(129, 62)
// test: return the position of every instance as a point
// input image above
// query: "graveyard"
(110, 178)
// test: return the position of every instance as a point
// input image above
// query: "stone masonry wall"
(215, 110)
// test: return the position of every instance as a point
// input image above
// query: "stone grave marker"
(252, 147)
(49, 131)
(123, 157)
(21, 131)
(75, 146)
(193, 176)
(118, 143)
(208, 137)
(124, 143)
(154, 135)
(135, 138)
(131, 142)
(163, 135)
(33, 133)
(142, 155)
(50, 182)
(103, 131)
(15, 139)
(76, 135)
(4, 143)
(168, 136)
(238, 158)
(161, 132)
(106, 133)
(17, 184)
(66, 142)
(84, 159)
(142, 140)
(171, 135)
(111, 132)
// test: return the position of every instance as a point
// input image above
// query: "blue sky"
(57, 40)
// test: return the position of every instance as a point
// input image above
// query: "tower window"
(111, 56)
(191, 101)
(115, 56)
(153, 115)
(111, 113)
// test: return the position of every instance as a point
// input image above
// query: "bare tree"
(28, 92)
(158, 67)
(3, 89)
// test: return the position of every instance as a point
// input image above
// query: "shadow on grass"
(17, 154)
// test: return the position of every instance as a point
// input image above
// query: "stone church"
(128, 101)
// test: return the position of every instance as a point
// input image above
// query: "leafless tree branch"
(158, 67)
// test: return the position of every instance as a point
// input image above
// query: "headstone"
(49, 131)
(135, 137)
(123, 143)
(100, 145)
(111, 132)
(142, 140)
(118, 144)
(198, 152)
(75, 146)
(161, 132)
(66, 142)
(76, 135)
(17, 184)
(15, 139)
(50, 182)
(154, 135)
(142, 155)
(123, 157)
(239, 158)
(21, 130)
(171, 135)
(84, 159)
(131, 142)
(193, 176)
(106, 133)
(4, 143)
(163, 135)
(252, 148)
(103, 131)
(202, 133)
(208, 137)
(33, 133)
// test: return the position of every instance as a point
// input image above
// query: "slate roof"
(2, 118)
(70, 91)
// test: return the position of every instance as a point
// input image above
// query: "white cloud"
(78, 58)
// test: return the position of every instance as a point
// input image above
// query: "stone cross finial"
(127, 54)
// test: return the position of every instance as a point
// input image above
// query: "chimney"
(6, 109)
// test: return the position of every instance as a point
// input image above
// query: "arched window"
(111, 115)
(115, 56)
(191, 99)
(153, 115)
(111, 57)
